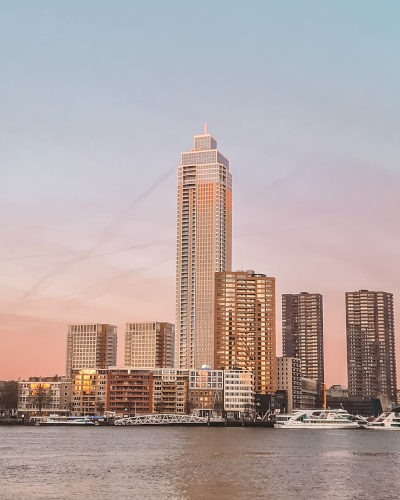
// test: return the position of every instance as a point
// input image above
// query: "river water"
(121, 463)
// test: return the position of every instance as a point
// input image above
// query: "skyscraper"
(204, 246)
(91, 345)
(245, 326)
(371, 358)
(149, 344)
(302, 333)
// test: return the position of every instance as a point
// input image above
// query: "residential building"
(337, 391)
(170, 391)
(206, 391)
(130, 391)
(204, 246)
(371, 358)
(289, 379)
(244, 326)
(89, 396)
(44, 396)
(238, 393)
(91, 345)
(302, 333)
(309, 393)
(149, 344)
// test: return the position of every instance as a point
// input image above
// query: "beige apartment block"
(204, 246)
(149, 344)
(44, 396)
(244, 326)
(89, 392)
(170, 391)
(91, 346)
(288, 379)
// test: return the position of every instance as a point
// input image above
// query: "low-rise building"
(337, 391)
(206, 390)
(309, 393)
(171, 391)
(289, 379)
(130, 391)
(271, 403)
(238, 393)
(41, 396)
(89, 392)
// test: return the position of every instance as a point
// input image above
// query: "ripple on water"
(40, 463)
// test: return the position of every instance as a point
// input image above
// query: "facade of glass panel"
(204, 246)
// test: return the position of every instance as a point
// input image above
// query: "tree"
(40, 397)
(248, 410)
(218, 405)
(158, 407)
(9, 395)
(188, 406)
(99, 405)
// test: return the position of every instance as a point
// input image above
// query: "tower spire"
(205, 129)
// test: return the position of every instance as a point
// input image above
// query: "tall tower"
(371, 358)
(204, 246)
(302, 333)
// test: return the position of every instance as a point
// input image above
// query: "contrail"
(89, 252)
(5, 259)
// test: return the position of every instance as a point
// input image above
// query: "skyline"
(307, 118)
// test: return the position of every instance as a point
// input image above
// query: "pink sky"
(327, 232)
(98, 100)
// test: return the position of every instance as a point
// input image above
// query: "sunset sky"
(98, 99)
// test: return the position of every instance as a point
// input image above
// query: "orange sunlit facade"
(245, 326)
(204, 246)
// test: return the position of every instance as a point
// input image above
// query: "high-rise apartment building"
(204, 246)
(244, 328)
(149, 344)
(371, 359)
(302, 333)
(289, 379)
(91, 345)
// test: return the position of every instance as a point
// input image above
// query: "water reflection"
(196, 463)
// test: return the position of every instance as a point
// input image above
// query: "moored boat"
(389, 420)
(56, 420)
(316, 419)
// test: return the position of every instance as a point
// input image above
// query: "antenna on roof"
(205, 129)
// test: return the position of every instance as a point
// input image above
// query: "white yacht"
(57, 420)
(388, 421)
(317, 419)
